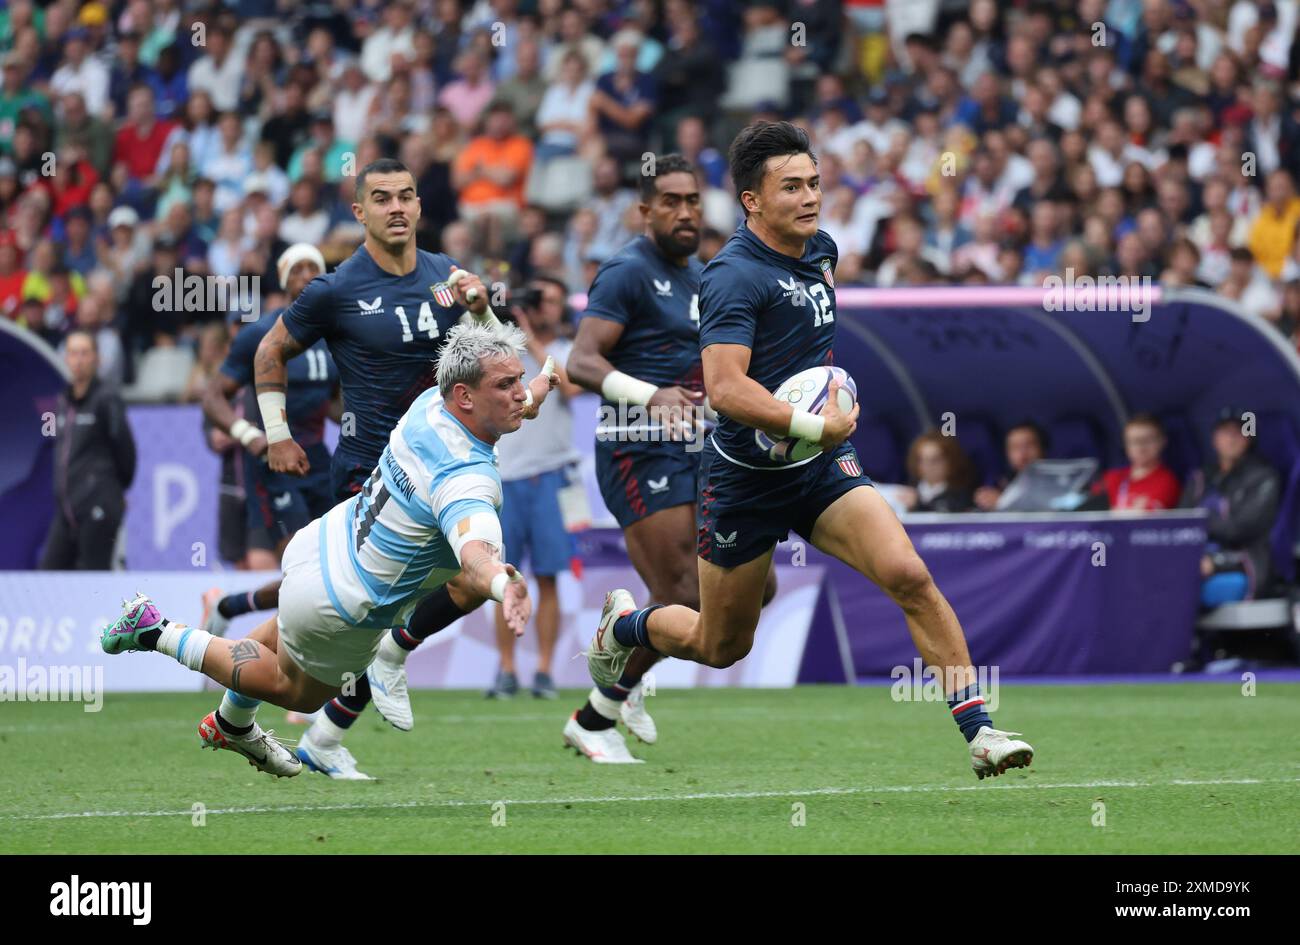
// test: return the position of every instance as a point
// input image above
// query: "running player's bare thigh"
(662, 549)
(860, 529)
(730, 602)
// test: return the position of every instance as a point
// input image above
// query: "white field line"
(646, 798)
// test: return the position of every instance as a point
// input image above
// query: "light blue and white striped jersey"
(386, 547)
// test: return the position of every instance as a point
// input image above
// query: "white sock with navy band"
(186, 645)
(968, 711)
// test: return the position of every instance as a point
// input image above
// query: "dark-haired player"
(767, 311)
(638, 346)
(383, 312)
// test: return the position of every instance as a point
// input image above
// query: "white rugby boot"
(606, 657)
(636, 718)
(993, 752)
(262, 751)
(389, 693)
(605, 747)
(333, 761)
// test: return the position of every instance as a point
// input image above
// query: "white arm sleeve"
(478, 526)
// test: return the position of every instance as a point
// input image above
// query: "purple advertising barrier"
(1032, 593)
(171, 507)
(29, 386)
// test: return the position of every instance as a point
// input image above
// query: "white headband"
(298, 252)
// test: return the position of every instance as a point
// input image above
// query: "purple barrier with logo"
(1036, 594)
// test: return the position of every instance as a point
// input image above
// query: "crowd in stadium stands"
(960, 143)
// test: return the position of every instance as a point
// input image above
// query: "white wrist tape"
(619, 386)
(244, 431)
(807, 426)
(547, 370)
(271, 403)
(499, 583)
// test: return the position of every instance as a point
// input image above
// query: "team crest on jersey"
(371, 308)
(443, 295)
(828, 272)
(849, 463)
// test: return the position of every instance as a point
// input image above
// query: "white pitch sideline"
(671, 798)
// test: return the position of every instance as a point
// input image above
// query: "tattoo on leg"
(244, 651)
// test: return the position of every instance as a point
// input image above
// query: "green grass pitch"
(1178, 768)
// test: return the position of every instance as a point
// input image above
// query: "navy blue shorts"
(282, 504)
(639, 479)
(347, 476)
(532, 526)
(743, 512)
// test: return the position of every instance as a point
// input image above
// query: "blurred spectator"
(219, 71)
(490, 174)
(140, 141)
(533, 474)
(81, 72)
(526, 89)
(689, 78)
(229, 164)
(89, 134)
(941, 473)
(1146, 484)
(94, 463)
(395, 37)
(1273, 235)
(1241, 493)
(308, 222)
(353, 102)
(78, 250)
(1249, 285)
(563, 118)
(95, 317)
(623, 104)
(610, 205)
(214, 342)
(468, 96)
(1025, 443)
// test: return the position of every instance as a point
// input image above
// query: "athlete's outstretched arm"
(734, 393)
(488, 576)
(217, 409)
(271, 380)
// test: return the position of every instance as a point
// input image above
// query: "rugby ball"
(808, 391)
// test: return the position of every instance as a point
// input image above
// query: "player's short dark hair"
(758, 142)
(663, 166)
(381, 166)
(1039, 433)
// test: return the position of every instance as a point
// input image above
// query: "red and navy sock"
(236, 605)
(631, 629)
(343, 710)
(968, 710)
(436, 612)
